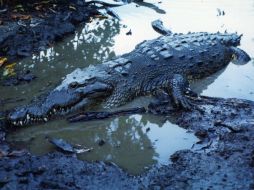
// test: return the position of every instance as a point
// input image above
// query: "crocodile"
(158, 67)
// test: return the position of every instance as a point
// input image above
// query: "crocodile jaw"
(46, 110)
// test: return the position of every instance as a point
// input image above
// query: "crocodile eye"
(73, 85)
(234, 57)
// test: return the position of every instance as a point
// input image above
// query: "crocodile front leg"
(176, 86)
(179, 87)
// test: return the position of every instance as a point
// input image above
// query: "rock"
(101, 142)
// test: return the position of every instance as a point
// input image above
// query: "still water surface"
(129, 142)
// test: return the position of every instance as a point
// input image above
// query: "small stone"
(174, 157)
(101, 142)
(129, 33)
(201, 133)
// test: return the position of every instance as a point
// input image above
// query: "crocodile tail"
(240, 57)
(160, 28)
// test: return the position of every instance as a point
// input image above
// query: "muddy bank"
(57, 171)
(42, 24)
(222, 159)
(30, 28)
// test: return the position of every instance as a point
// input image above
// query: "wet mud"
(32, 30)
(24, 34)
(222, 159)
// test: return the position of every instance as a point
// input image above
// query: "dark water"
(128, 143)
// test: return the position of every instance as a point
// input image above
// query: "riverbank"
(222, 159)
(27, 29)
(43, 25)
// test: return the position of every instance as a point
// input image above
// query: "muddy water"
(134, 142)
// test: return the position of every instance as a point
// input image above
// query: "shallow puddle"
(134, 143)
(137, 141)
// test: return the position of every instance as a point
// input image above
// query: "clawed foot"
(166, 106)
(183, 102)
(160, 107)
(191, 93)
(186, 104)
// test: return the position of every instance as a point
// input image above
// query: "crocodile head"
(79, 90)
(238, 56)
(59, 102)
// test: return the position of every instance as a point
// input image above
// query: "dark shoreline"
(33, 32)
(222, 159)
(28, 32)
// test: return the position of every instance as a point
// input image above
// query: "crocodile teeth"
(14, 122)
(27, 116)
(21, 122)
(45, 119)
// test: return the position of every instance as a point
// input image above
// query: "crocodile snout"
(17, 116)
